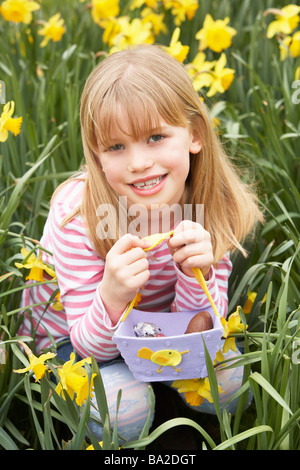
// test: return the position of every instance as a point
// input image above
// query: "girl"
(149, 143)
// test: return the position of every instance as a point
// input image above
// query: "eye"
(115, 147)
(156, 138)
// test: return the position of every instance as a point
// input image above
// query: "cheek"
(112, 172)
(180, 162)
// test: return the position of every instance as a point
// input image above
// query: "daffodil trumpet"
(155, 240)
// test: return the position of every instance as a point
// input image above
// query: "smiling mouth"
(149, 183)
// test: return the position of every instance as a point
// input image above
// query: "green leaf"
(270, 390)
(242, 436)
(6, 441)
(165, 427)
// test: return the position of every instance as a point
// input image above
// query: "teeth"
(148, 184)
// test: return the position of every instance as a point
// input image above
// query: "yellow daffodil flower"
(195, 390)
(36, 364)
(18, 11)
(215, 35)
(297, 73)
(52, 29)
(232, 326)
(176, 49)
(181, 9)
(57, 305)
(290, 46)
(131, 33)
(199, 71)
(287, 19)
(157, 21)
(91, 447)
(222, 77)
(111, 28)
(74, 380)
(104, 9)
(7, 123)
(36, 266)
(229, 345)
(250, 301)
(150, 4)
(219, 357)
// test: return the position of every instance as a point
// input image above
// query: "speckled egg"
(202, 321)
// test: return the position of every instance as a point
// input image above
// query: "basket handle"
(156, 239)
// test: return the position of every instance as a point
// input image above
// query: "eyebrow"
(148, 132)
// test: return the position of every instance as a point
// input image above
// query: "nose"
(138, 159)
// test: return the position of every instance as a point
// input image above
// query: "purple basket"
(172, 357)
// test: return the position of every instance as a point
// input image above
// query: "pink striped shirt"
(79, 273)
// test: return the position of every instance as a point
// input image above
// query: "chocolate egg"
(202, 321)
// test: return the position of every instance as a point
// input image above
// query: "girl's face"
(152, 170)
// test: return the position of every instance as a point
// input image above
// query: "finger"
(202, 262)
(127, 242)
(192, 249)
(139, 266)
(194, 235)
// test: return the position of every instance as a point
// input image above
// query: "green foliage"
(259, 125)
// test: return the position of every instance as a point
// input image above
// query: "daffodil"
(91, 447)
(199, 71)
(57, 305)
(222, 77)
(7, 123)
(195, 390)
(36, 266)
(176, 49)
(157, 21)
(36, 364)
(290, 46)
(150, 4)
(230, 327)
(104, 9)
(181, 9)
(250, 301)
(111, 28)
(219, 357)
(18, 11)
(215, 35)
(52, 29)
(74, 380)
(287, 19)
(132, 33)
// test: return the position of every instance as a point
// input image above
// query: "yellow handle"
(130, 306)
(199, 276)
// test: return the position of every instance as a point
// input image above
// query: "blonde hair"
(146, 81)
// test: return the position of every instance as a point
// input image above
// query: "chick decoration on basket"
(164, 357)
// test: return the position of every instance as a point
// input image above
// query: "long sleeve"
(79, 273)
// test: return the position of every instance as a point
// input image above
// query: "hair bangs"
(136, 109)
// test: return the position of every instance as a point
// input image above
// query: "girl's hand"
(191, 247)
(126, 271)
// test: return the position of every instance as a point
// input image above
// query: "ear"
(195, 145)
